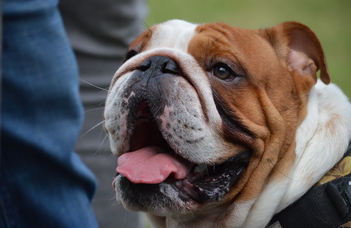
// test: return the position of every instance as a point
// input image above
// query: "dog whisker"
(285, 175)
(89, 83)
(102, 143)
(92, 128)
(93, 109)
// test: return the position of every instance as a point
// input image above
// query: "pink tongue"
(150, 166)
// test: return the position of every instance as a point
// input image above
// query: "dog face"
(202, 116)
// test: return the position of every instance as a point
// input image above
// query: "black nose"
(160, 65)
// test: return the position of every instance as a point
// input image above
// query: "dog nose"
(160, 65)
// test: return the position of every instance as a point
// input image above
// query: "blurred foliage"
(330, 20)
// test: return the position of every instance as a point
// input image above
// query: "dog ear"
(301, 49)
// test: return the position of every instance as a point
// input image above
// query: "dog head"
(201, 116)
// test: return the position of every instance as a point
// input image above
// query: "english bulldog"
(219, 126)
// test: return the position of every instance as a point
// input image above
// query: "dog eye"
(129, 54)
(222, 71)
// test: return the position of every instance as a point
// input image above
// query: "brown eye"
(222, 71)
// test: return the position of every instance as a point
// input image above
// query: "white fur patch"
(174, 33)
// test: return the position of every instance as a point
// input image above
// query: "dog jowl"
(218, 126)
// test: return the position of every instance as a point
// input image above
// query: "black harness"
(324, 206)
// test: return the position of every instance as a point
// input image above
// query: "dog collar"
(326, 205)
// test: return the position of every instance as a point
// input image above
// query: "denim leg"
(42, 182)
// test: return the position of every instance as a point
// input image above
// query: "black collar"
(323, 206)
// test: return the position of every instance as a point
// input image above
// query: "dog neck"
(321, 141)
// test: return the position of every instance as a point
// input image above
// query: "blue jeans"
(43, 183)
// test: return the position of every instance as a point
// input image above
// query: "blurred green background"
(330, 20)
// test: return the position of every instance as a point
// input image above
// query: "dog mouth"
(152, 161)
(210, 183)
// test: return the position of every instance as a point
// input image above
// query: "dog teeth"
(200, 168)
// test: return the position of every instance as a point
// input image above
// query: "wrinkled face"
(191, 114)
